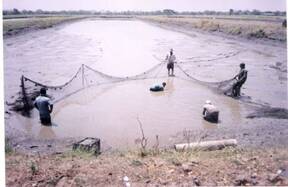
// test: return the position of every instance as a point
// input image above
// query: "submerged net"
(87, 77)
(222, 87)
(83, 78)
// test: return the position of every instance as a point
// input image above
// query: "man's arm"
(204, 110)
(51, 108)
(236, 76)
(243, 77)
(36, 106)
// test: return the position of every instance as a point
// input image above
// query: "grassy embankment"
(249, 27)
(17, 25)
(230, 166)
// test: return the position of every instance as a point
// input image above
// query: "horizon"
(142, 10)
(146, 6)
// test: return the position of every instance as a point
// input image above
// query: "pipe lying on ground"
(207, 145)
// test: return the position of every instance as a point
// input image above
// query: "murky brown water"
(125, 48)
(110, 112)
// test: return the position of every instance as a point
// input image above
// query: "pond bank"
(254, 30)
(231, 166)
(12, 27)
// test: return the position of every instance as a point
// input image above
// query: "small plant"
(33, 168)
(8, 147)
(258, 34)
(187, 135)
(143, 141)
(156, 146)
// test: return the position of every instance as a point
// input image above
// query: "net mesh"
(87, 77)
(83, 78)
(222, 87)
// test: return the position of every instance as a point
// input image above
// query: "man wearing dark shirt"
(241, 78)
(44, 106)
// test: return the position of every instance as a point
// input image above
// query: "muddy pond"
(129, 47)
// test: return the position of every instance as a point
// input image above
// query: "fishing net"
(222, 87)
(83, 78)
(30, 89)
(86, 77)
(220, 56)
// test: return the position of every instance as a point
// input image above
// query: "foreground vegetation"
(229, 166)
(246, 27)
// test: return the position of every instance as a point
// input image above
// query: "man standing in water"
(171, 60)
(241, 79)
(44, 106)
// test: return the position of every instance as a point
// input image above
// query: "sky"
(146, 5)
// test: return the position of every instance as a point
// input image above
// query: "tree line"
(158, 12)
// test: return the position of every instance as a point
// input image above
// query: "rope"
(52, 87)
(231, 54)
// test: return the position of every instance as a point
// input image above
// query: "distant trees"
(284, 23)
(16, 11)
(167, 12)
(256, 12)
(11, 12)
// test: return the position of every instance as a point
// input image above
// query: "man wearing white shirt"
(171, 60)
(210, 112)
(157, 87)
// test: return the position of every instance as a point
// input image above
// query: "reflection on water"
(208, 125)
(46, 132)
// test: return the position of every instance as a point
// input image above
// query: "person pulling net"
(44, 105)
(230, 87)
(240, 78)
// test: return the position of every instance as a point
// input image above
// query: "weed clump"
(8, 146)
(258, 34)
(33, 168)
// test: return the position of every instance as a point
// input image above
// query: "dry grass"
(246, 27)
(15, 26)
(168, 167)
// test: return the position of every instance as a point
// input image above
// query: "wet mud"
(268, 112)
